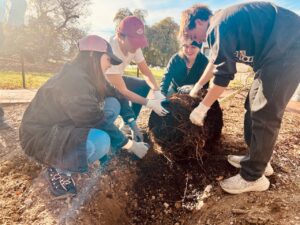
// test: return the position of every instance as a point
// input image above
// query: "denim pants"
(272, 88)
(138, 86)
(111, 111)
(106, 136)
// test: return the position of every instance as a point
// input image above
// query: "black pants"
(272, 88)
(138, 86)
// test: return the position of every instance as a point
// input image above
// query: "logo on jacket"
(241, 56)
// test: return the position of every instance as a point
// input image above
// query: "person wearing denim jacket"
(70, 122)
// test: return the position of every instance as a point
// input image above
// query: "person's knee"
(98, 144)
(112, 106)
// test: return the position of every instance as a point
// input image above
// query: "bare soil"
(154, 190)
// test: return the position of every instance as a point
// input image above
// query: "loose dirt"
(154, 190)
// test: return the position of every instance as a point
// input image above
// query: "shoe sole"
(237, 165)
(263, 187)
(55, 195)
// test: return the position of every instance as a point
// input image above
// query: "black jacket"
(56, 123)
(255, 33)
(177, 74)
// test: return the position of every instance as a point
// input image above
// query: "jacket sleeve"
(223, 46)
(168, 76)
(202, 61)
(126, 111)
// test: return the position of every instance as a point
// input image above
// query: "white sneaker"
(235, 160)
(238, 185)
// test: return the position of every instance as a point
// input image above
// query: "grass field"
(13, 80)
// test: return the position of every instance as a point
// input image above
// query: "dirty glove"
(195, 90)
(155, 105)
(158, 95)
(198, 115)
(136, 133)
(139, 149)
(185, 89)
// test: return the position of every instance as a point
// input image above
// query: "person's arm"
(167, 78)
(148, 75)
(117, 81)
(206, 77)
(213, 94)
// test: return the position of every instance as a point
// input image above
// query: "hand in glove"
(136, 133)
(198, 115)
(155, 105)
(185, 89)
(139, 149)
(158, 95)
(195, 90)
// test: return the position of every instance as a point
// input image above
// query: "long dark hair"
(89, 62)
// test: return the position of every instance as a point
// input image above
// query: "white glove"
(195, 90)
(185, 89)
(198, 115)
(155, 105)
(140, 149)
(158, 95)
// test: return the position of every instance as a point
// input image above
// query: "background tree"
(163, 42)
(53, 29)
(123, 12)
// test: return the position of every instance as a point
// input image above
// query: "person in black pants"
(266, 37)
(184, 69)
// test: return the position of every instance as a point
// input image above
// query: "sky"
(101, 12)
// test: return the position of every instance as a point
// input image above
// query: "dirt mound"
(177, 137)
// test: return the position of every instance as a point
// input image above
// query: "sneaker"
(60, 183)
(235, 160)
(238, 185)
(126, 130)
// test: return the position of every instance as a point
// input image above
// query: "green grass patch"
(158, 73)
(13, 80)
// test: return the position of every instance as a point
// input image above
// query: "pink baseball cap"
(98, 44)
(133, 28)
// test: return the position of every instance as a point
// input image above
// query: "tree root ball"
(177, 138)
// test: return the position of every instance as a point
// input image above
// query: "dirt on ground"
(154, 190)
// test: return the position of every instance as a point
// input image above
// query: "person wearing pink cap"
(70, 122)
(127, 44)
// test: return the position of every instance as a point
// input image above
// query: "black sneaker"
(60, 183)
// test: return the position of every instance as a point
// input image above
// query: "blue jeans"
(139, 87)
(111, 111)
(100, 139)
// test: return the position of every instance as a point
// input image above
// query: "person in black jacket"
(266, 37)
(184, 69)
(70, 122)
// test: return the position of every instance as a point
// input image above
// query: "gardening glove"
(155, 105)
(158, 95)
(198, 115)
(136, 133)
(195, 90)
(139, 149)
(185, 89)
